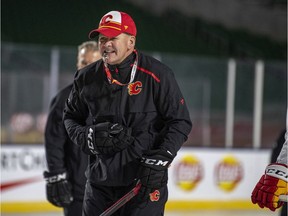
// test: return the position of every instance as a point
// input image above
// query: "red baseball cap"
(113, 24)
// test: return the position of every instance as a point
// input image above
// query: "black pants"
(74, 209)
(98, 198)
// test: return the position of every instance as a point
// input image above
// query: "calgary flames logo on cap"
(134, 88)
(228, 173)
(188, 172)
(106, 19)
(111, 20)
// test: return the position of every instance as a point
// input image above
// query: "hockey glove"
(153, 171)
(58, 189)
(107, 138)
(271, 185)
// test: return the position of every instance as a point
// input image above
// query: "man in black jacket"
(65, 160)
(139, 121)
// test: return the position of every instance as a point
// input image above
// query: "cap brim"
(108, 32)
(94, 33)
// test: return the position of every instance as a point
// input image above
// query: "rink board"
(198, 178)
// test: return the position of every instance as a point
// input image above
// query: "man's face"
(115, 50)
(86, 57)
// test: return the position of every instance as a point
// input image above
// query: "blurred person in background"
(273, 183)
(139, 121)
(275, 152)
(65, 161)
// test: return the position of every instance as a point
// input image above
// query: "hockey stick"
(134, 191)
(123, 200)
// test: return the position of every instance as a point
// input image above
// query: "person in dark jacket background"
(65, 161)
(271, 189)
(274, 155)
(139, 121)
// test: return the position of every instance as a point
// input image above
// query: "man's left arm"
(173, 110)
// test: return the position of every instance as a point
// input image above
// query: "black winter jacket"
(152, 105)
(61, 153)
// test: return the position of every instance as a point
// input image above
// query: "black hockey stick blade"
(122, 201)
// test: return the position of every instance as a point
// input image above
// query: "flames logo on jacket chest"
(134, 88)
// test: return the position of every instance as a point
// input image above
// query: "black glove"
(153, 171)
(107, 138)
(58, 189)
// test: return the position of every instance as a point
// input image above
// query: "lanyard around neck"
(111, 80)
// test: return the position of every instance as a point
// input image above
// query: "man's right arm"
(55, 137)
(58, 187)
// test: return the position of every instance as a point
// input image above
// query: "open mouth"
(107, 52)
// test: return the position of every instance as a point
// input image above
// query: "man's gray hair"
(89, 46)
